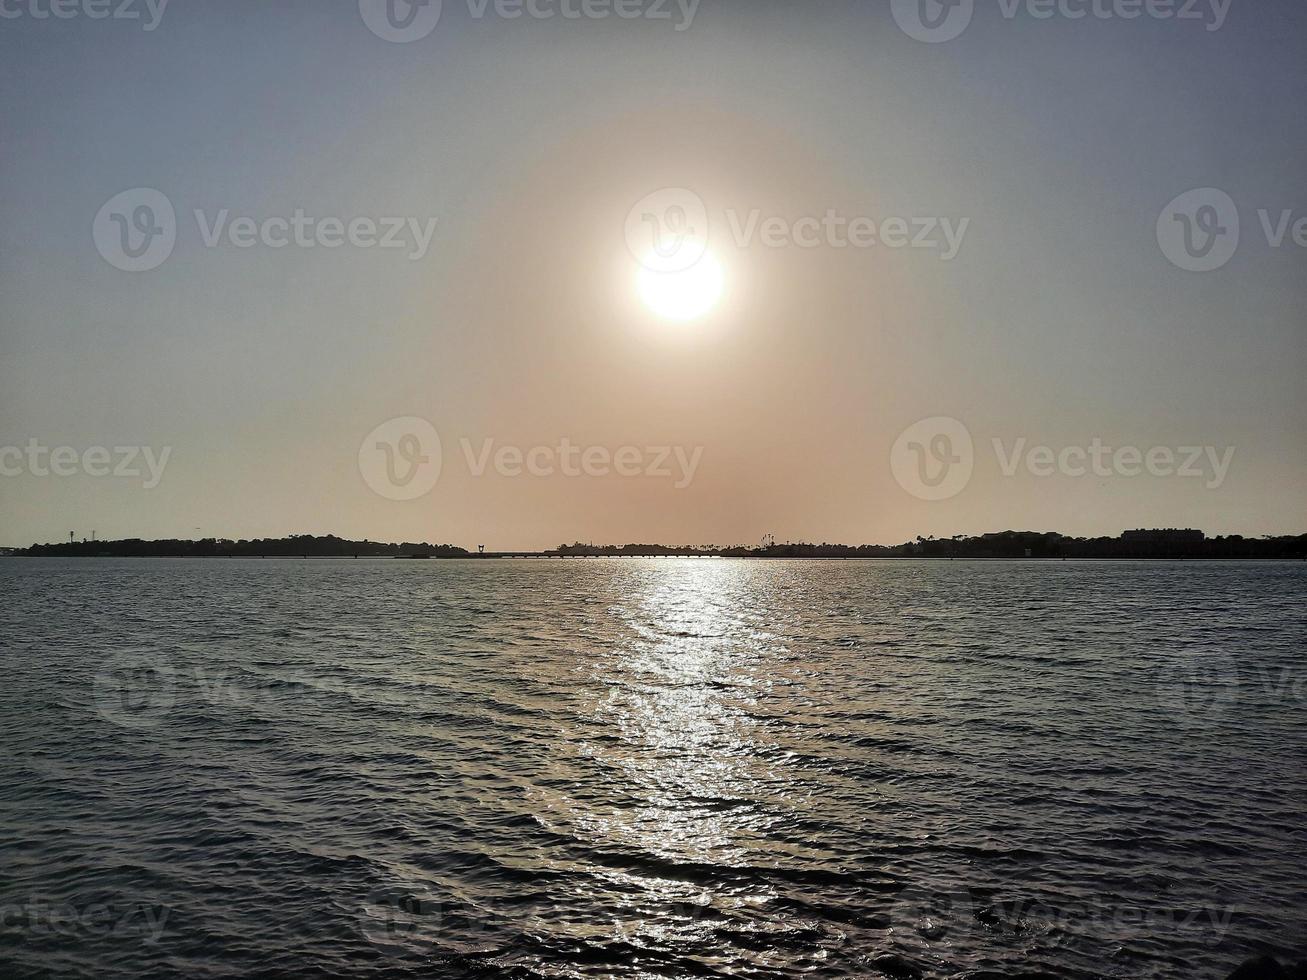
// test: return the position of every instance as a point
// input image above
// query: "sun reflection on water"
(679, 696)
(685, 763)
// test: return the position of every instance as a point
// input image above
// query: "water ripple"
(651, 769)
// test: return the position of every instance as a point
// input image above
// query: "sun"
(682, 294)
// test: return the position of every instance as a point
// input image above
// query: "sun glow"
(682, 294)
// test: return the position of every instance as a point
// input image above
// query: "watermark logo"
(136, 230)
(401, 459)
(65, 921)
(305, 231)
(1196, 691)
(572, 460)
(932, 914)
(150, 15)
(411, 918)
(404, 21)
(1199, 230)
(953, 914)
(933, 21)
(400, 21)
(139, 690)
(1206, 690)
(123, 462)
(134, 689)
(400, 918)
(839, 231)
(933, 459)
(1207, 463)
(667, 231)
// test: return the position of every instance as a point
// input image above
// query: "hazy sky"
(261, 371)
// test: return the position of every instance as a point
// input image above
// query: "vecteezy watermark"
(140, 689)
(1203, 690)
(150, 12)
(935, 21)
(122, 462)
(1207, 463)
(413, 918)
(400, 21)
(934, 459)
(1199, 231)
(668, 230)
(406, 917)
(952, 913)
(134, 689)
(404, 21)
(570, 460)
(37, 918)
(401, 460)
(136, 231)
(835, 230)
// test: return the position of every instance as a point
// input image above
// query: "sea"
(641, 768)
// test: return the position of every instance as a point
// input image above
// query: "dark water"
(650, 769)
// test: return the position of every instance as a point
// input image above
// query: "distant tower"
(481, 549)
(70, 536)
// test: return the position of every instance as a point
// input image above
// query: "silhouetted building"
(1169, 535)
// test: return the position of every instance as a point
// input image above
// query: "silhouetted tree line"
(295, 546)
(1002, 544)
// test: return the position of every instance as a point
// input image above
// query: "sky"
(1044, 321)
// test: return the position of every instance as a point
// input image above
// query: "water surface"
(670, 768)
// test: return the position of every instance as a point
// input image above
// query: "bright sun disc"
(682, 294)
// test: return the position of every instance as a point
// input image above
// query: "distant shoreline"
(1142, 545)
(547, 556)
